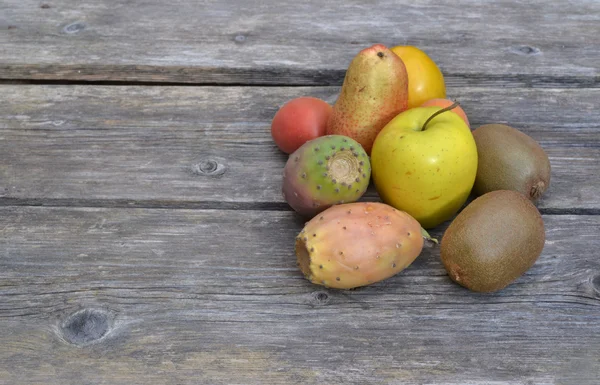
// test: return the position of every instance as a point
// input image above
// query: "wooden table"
(143, 234)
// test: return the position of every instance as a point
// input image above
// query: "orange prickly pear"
(356, 244)
(374, 91)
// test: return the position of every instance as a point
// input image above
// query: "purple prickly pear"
(356, 244)
(328, 170)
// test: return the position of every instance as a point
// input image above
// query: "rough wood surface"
(283, 42)
(140, 296)
(211, 146)
(163, 251)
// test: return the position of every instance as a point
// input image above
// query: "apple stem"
(456, 104)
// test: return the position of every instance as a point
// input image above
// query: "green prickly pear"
(328, 170)
(374, 91)
(356, 244)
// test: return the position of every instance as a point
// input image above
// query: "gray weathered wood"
(168, 255)
(153, 146)
(283, 42)
(150, 296)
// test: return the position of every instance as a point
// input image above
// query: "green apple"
(424, 162)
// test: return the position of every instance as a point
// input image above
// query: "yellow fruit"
(375, 89)
(429, 172)
(425, 80)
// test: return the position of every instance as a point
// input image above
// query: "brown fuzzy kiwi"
(493, 241)
(508, 159)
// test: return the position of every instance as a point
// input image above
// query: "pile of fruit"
(393, 125)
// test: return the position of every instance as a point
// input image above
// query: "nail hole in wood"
(86, 326)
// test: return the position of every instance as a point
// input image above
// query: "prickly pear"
(328, 170)
(356, 244)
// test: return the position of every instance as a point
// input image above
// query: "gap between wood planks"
(206, 205)
(335, 78)
(147, 83)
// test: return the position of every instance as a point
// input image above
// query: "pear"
(374, 91)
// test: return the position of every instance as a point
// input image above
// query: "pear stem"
(456, 104)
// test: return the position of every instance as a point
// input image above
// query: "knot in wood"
(526, 50)
(319, 298)
(596, 284)
(239, 38)
(85, 326)
(74, 27)
(209, 167)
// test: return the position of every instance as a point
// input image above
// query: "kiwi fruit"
(493, 241)
(509, 159)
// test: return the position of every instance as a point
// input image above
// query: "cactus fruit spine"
(328, 170)
(357, 244)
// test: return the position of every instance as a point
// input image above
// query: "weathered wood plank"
(166, 297)
(282, 42)
(156, 146)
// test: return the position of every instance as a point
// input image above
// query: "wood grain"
(162, 252)
(227, 42)
(145, 296)
(169, 146)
